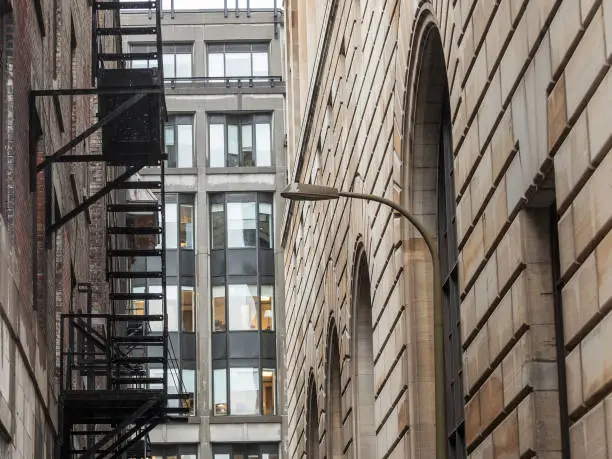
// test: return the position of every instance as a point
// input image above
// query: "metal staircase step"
(147, 339)
(127, 56)
(138, 381)
(136, 296)
(135, 274)
(134, 230)
(127, 30)
(142, 185)
(135, 253)
(138, 360)
(134, 207)
(135, 5)
(135, 318)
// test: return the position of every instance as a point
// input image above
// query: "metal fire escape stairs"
(113, 364)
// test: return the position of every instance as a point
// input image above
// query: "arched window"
(334, 397)
(433, 193)
(363, 362)
(312, 421)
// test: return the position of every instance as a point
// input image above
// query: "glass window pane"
(185, 145)
(263, 138)
(187, 309)
(188, 4)
(241, 224)
(217, 145)
(238, 64)
(168, 62)
(183, 65)
(222, 456)
(243, 306)
(171, 225)
(172, 307)
(242, 4)
(247, 145)
(140, 64)
(260, 64)
(269, 456)
(268, 382)
(263, 4)
(215, 65)
(186, 226)
(217, 226)
(166, 4)
(138, 306)
(266, 234)
(156, 373)
(244, 391)
(215, 4)
(220, 391)
(155, 307)
(219, 322)
(189, 387)
(232, 145)
(267, 307)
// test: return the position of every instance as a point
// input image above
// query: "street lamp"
(307, 192)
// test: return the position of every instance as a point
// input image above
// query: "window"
(219, 321)
(242, 313)
(186, 226)
(171, 229)
(187, 309)
(240, 141)
(245, 451)
(176, 59)
(265, 225)
(243, 307)
(217, 218)
(241, 229)
(238, 60)
(178, 5)
(179, 141)
(251, 391)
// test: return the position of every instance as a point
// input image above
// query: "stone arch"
(312, 419)
(333, 395)
(362, 356)
(426, 174)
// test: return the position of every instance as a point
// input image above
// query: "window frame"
(252, 119)
(174, 121)
(225, 48)
(167, 48)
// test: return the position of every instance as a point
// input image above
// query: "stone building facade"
(489, 121)
(44, 45)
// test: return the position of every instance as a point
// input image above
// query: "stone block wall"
(529, 89)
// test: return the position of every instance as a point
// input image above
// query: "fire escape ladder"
(113, 371)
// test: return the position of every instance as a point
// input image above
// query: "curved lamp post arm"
(440, 416)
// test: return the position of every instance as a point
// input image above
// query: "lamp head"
(307, 192)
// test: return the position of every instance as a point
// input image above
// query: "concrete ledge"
(176, 433)
(232, 433)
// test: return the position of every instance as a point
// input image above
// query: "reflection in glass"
(138, 306)
(243, 307)
(263, 134)
(244, 391)
(233, 158)
(217, 145)
(217, 212)
(268, 389)
(172, 307)
(237, 64)
(241, 224)
(187, 309)
(247, 159)
(186, 226)
(267, 307)
(220, 391)
(171, 225)
(216, 66)
(185, 145)
(189, 388)
(218, 293)
(265, 225)
(155, 308)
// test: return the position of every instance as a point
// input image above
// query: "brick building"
(44, 45)
(489, 121)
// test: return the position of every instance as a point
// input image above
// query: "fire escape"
(113, 368)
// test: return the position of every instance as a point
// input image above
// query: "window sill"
(240, 170)
(245, 419)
